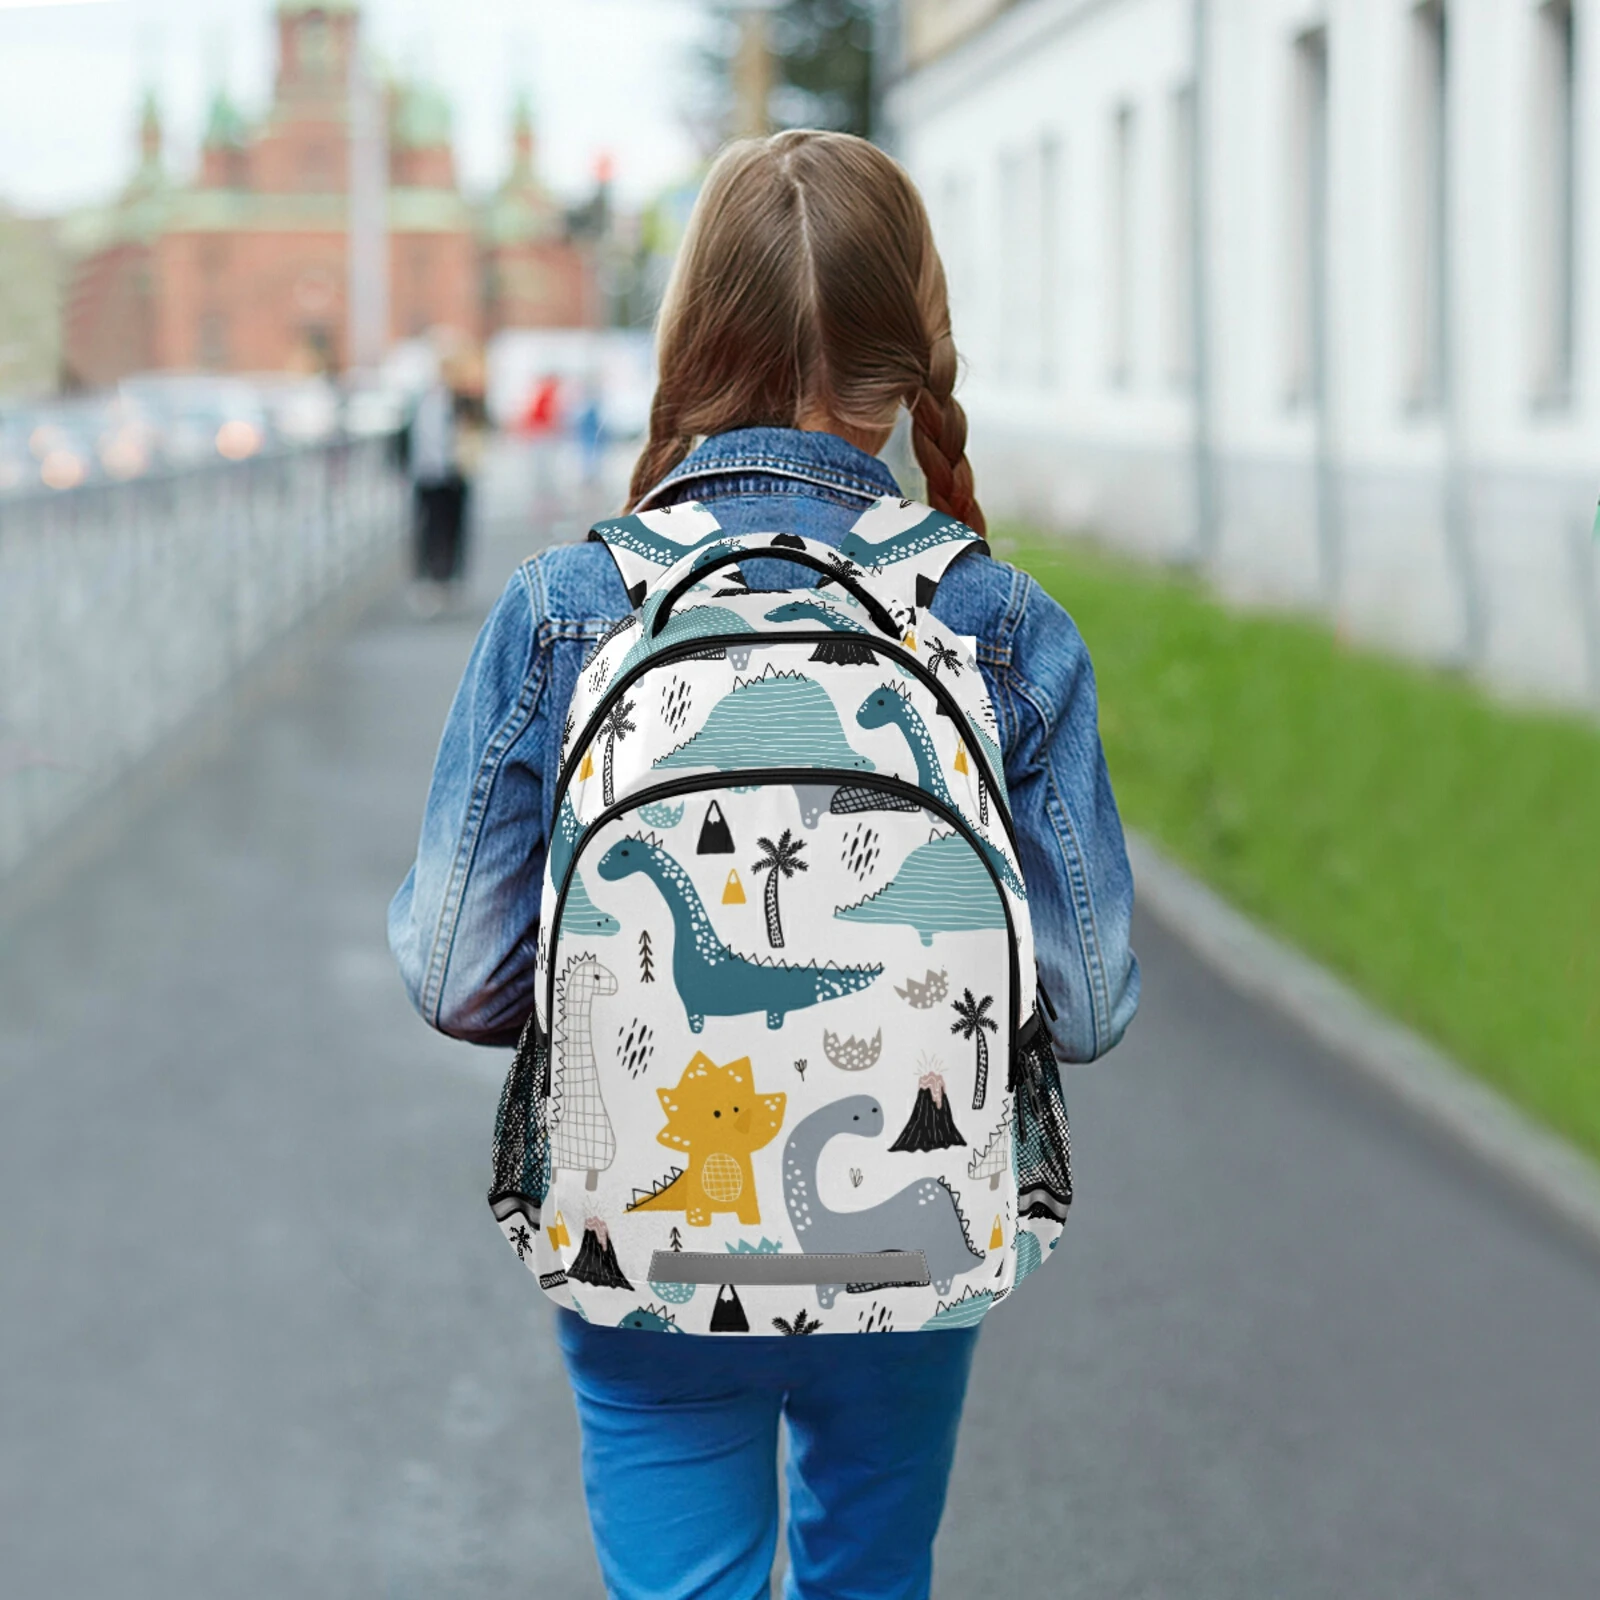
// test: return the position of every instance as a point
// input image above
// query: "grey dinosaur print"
(710, 979)
(922, 1216)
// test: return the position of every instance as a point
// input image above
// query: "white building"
(1306, 292)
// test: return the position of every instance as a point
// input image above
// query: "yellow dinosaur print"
(716, 1118)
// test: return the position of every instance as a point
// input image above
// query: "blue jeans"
(680, 1443)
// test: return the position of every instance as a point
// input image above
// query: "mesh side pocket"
(1043, 1143)
(521, 1139)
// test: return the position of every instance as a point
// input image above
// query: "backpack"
(786, 1069)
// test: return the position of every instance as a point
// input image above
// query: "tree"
(970, 1023)
(782, 860)
(670, 1290)
(616, 726)
(824, 61)
(802, 1323)
(647, 968)
(941, 655)
(821, 66)
(930, 1126)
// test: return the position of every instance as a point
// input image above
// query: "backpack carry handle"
(801, 558)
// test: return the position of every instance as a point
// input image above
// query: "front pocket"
(1043, 1143)
(521, 1138)
(790, 777)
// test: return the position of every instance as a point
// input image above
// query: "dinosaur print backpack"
(786, 1071)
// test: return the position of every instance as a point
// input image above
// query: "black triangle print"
(637, 593)
(715, 839)
(727, 1316)
(789, 541)
(925, 589)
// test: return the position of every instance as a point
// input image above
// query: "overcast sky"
(605, 75)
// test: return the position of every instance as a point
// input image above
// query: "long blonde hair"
(808, 282)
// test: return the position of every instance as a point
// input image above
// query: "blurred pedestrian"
(539, 423)
(443, 447)
(589, 426)
(806, 310)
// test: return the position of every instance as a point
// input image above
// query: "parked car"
(199, 418)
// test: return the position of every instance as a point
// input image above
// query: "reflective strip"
(875, 1269)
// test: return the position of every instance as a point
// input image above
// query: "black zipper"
(692, 647)
(778, 777)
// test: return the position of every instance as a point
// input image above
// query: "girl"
(806, 309)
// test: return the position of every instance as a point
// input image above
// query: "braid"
(939, 436)
(663, 450)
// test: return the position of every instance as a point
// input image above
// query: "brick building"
(246, 268)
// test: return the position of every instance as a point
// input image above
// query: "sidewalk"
(271, 1343)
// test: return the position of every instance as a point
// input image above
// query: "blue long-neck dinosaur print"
(885, 706)
(935, 528)
(711, 980)
(815, 611)
(636, 535)
(563, 840)
(846, 651)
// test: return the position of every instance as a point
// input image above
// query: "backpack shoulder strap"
(907, 546)
(647, 544)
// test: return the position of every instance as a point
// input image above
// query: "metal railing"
(125, 607)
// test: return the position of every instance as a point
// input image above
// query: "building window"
(1425, 199)
(1180, 242)
(1307, 220)
(1551, 232)
(213, 257)
(1047, 266)
(1119, 241)
(417, 290)
(1012, 276)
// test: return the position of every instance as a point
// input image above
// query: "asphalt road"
(261, 1339)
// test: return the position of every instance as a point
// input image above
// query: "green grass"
(1439, 850)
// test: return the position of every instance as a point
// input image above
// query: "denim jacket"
(464, 924)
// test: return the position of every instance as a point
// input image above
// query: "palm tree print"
(616, 726)
(782, 860)
(523, 1240)
(971, 1020)
(941, 655)
(802, 1324)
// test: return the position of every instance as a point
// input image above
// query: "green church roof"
(225, 124)
(422, 117)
